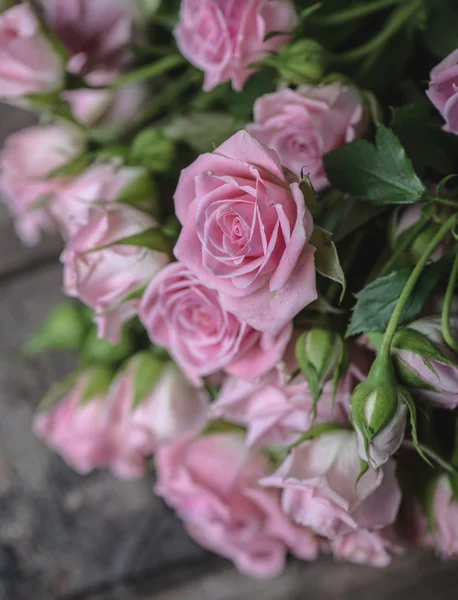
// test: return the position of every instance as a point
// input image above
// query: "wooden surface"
(63, 536)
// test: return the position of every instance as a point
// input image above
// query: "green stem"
(158, 67)
(356, 12)
(402, 246)
(409, 286)
(444, 202)
(395, 22)
(446, 330)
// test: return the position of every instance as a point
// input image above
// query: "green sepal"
(58, 391)
(454, 485)
(326, 258)
(72, 168)
(147, 371)
(407, 398)
(221, 426)
(153, 150)
(414, 341)
(308, 369)
(98, 383)
(363, 469)
(152, 238)
(318, 430)
(141, 192)
(96, 350)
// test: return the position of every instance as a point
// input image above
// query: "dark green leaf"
(376, 302)
(202, 131)
(380, 173)
(441, 34)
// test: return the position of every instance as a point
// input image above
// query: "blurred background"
(63, 536)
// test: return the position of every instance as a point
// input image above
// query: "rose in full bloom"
(29, 63)
(212, 484)
(99, 183)
(445, 515)
(224, 38)
(186, 317)
(94, 33)
(106, 107)
(27, 190)
(246, 232)
(321, 490)
(302, 125)
(366, 547)
(443, 90)
(277, 412)
(104, 273)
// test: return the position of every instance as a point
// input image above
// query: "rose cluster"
(271, 433)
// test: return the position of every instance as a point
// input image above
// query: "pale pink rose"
(443, 90)
(276, 412)
(321, 488)
(99, 183)
(106, 107)
(28, 158)
(28, 62)
(186, 317)
(445, 518)
(303, 125)
(223, 38)
(104, 279)
(245, 233)
(365, 547)
(211, 483)
(95, 34)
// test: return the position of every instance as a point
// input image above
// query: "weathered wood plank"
(415, 576)
(14, 255)
(59, 532)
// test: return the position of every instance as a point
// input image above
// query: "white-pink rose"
(95, 33)
(223, 38)
(365, 547)
(321, 489)
(445, 515)
(443, 90)
(28, 62)
(104, 273)
(28, 158)
(246, 232)
(276, 412)
(211, 483)
(302, 125)
(186, 317)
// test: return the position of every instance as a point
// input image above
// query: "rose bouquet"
(260, 218)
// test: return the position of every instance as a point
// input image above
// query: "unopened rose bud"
(319, 353)
(379, 415)
(303, 61)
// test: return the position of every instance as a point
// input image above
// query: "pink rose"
(106, 107)
(29, 63)
(223, 38)
(443, 90)
(365, 547)
(211, 483)
(303, 125)
(24, 173)
(245, 233)
(104, 279)
(101, 182)
(95, 34)
(276, 412)
(185, 317)
(445, 518)
(321, 488)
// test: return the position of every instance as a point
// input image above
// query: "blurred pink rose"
(245, 233)
(185, 317)
(365, 547)
(443, 90)
(28, 62)
(104, 279)
(28, 158)
(303, 125)
(277, 412)
(445, 518)
(99, 183)
(95, 33)
(223, 38)
(211, 483)
(106, 107)
(320, 489)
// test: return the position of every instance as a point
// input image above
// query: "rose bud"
(29, 62)
(303, 61)
(443, 90)
(423, 361)
(380, 417)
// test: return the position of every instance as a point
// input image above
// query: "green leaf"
(202, 131)
(376, 302)
(326, 258)
(380, 173)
